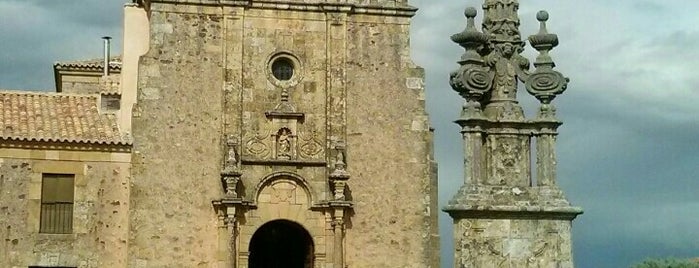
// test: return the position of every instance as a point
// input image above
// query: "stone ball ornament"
(470, 12)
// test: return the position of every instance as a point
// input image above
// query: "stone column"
(338, 233)
(473, 155)
(225, 257)
(546, 157)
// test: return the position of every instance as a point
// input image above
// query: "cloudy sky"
(628, 150)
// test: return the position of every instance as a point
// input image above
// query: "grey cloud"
(35, 34)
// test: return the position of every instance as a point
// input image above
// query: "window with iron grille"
(57, 192)
(283, 69)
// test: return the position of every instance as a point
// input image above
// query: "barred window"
(57, 203)
(283, 69)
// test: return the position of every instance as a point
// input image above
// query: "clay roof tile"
(52, 117)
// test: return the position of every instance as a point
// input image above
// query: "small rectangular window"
(57, 192)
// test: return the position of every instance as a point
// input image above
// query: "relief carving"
(281, 195)
(257, 145)
(506, 159)
(310, 147)
(474, 250)
(283, 192)
(539, 258)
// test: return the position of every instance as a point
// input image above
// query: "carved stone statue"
(284, 144)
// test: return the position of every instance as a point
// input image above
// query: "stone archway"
(281, 244)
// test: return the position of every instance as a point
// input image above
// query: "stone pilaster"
(502, 216)
(336, 76)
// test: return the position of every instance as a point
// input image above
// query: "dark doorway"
(281, 244)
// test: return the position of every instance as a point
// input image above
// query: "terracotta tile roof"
(110, 85)
(89, 65)
(51, 117)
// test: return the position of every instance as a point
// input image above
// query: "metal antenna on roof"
(106, 54)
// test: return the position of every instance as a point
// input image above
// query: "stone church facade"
(286, 133)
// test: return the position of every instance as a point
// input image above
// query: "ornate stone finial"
(545, 83)
(339, 176)
(232, 155)
(498, 183)
(543, 41)
(501, 20)
(472, 80)
(231, 174)
(285, 106)
(501, 24)
(492, 65)
(340, 159)
(285, 95)
(470, 39)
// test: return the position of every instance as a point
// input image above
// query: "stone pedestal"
(504, 226)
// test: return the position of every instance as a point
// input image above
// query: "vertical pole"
(106, 55)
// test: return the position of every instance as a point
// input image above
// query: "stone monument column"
(502, 216)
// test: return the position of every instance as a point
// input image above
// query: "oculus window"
(283, 69)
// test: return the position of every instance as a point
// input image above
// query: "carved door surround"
(282, 196)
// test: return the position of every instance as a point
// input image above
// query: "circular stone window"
(283, 69)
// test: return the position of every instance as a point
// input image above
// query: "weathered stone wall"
(512, 243)
(389, 147)
(304, 2)
(177, 149)
(88, 83)
(100, 212)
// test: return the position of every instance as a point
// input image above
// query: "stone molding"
(68, 146)
(397, 11)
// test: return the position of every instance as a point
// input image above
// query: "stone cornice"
(68, 146)
(399, 11)
(508, 202)
(513, 212)
(528, 127)
(283, 162)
